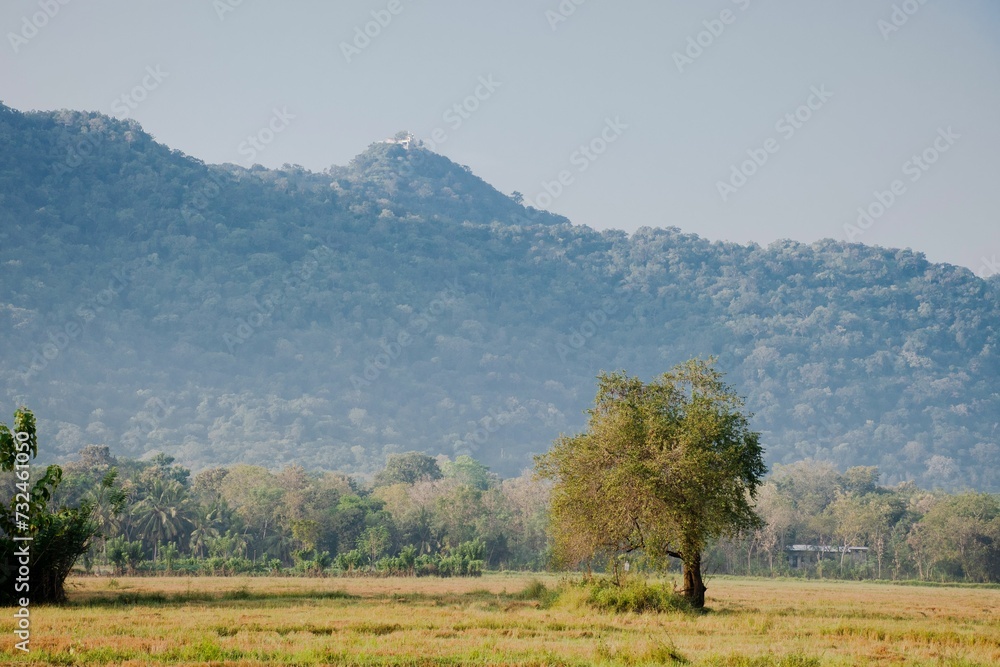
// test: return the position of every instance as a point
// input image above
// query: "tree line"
(419, 515)
(424, 515)
(250, 519)
(910, 532)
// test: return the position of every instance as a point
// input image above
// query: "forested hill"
(221, 314)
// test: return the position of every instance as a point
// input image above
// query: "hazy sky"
(682, 93)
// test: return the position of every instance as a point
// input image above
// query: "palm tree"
(107, 503)
(204, 528)
(163, 514)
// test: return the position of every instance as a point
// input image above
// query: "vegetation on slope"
(222, 314)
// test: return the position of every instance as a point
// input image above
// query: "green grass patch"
(377, 629)
(635, 595)
(283, 630)
(659, 653)
(938, 584)
(791, 660)
(538, 592)
(242, 594)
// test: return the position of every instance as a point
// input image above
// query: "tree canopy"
(408, 468)
(662, 468)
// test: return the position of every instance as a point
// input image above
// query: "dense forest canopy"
(222, 315)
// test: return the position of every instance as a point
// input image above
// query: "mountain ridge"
(846, 352)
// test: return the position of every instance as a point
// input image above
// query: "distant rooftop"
(824, 549)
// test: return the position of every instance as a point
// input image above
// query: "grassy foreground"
(254, 621)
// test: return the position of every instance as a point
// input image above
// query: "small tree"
(124, 555)
(469, 472)
(663, 468)
(374, 542)
(168, 555)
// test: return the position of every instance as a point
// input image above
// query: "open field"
(253, 621)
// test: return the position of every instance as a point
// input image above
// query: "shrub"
(125, 555)
(635, 595)
(349, 561)
(310, 561)
(536, 590)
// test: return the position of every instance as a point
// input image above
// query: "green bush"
(635, 595)
(401, 565)
(350, 561)
(466, 560)
(426, 565)
(125, 555)
(311, 561)
(536, 590)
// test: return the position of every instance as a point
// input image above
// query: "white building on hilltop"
(404, 139)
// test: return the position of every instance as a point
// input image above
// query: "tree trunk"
(694, 587)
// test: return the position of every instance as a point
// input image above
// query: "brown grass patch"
(257, 621)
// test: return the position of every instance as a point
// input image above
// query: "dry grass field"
(255, 621)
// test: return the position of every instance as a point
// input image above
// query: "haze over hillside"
(222, 314)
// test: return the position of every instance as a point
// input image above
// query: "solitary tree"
(374, 542)
(662, 468)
